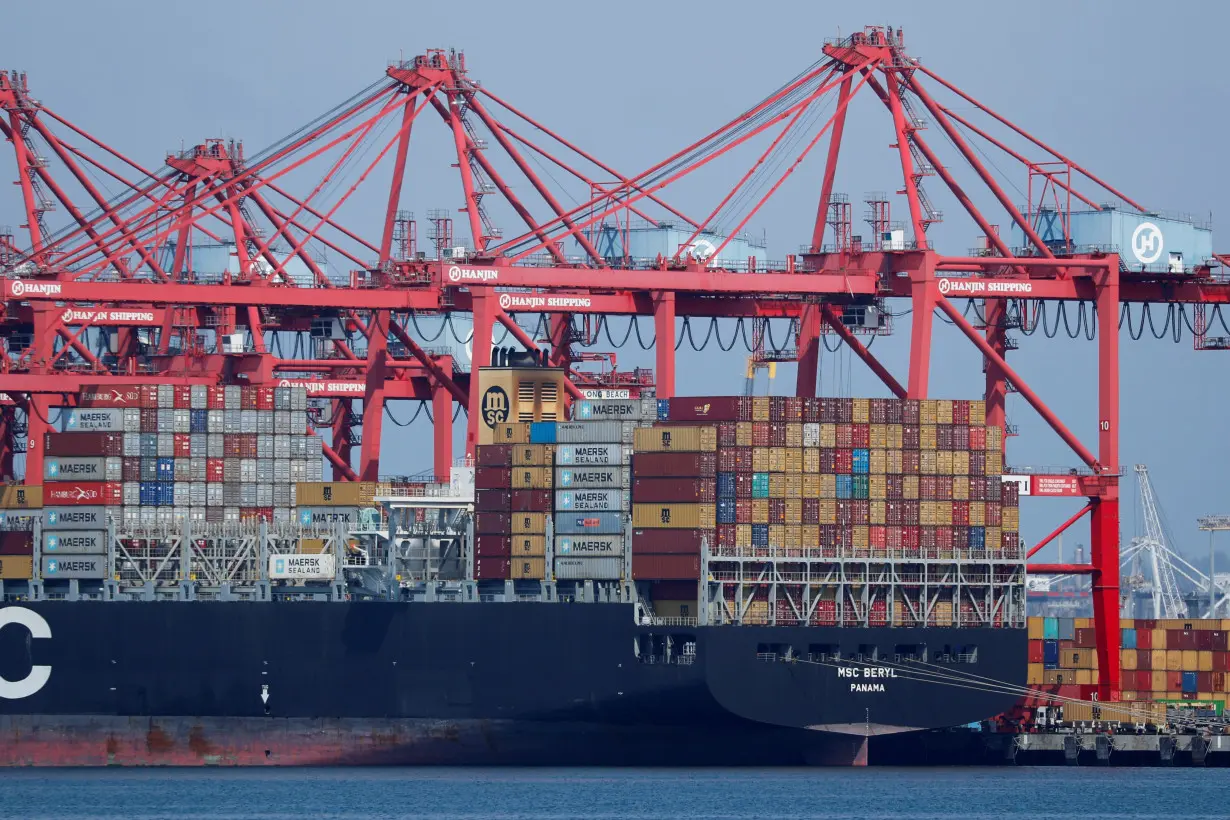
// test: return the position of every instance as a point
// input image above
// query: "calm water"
(597, 794)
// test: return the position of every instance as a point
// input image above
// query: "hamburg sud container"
(157, 454)
(512, 502)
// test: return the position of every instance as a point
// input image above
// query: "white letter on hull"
(39, 675)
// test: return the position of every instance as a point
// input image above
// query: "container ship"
(719, 580)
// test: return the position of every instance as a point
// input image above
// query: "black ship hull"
(460, 683)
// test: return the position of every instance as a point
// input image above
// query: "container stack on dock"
(674, 492)
(1183, 662)
(20, 506)
(513, 481)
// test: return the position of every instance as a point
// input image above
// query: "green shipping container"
(862, 485)
(760, 485)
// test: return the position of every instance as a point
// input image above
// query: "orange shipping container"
(675, 439)
(16, 567)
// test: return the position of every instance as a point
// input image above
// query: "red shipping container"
(492, 568)
(183, 445)
(1204, 641)
(703, 465)
(493, 500)
(895, 486)
(893, 538)
(960, 411)
(666, 567)
(843, 462)
(811, 511)
(1144, 638)
(230, 445)
(743, 511)
(1035, 651)
(182, 397)
(1085, 638)
(811, 410)
(83, 444)
(793, 409)
(743, 459)
(264, 398)
(911, 412)
(911, 538)
(493, 546)
(845, 512)
(674, 490)
(944, 539)
(911, 462)
(777, 511)
(131, 469)
(532, 501)
(726, 536)
(777, 434)
(828, 535)
(100, 395)
(1219, 640)
(1144, 661)
(149, 396)
(960, 512)
(89, 493)
(828, 411)
(910, 437)
(215, 469)
(726, 434)
(247, 398)
(977, 438)
(992, 513)
(861, 511)
(247, 445)
(926, 488)
(743, 485)
(828, 461)
(895, 414)
(672, 591)
(943, 437)
(492, 477)
(960, 437)
(1219, 681)
(845, 410)
(762, 433)
(494, 455)
(1204, 681)
(1009, 494)
(878, 536)
(727, 460)
(149, 420)
(667, 541)
(216, 398)
(1174, 681)
(16, 543)
(879, 411)
(777, 408)
(928, 539)
(860, 435)
(495, 523)
(711, 408)
(845, 435)
(1146, 623)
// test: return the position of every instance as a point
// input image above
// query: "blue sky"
(1122, 87)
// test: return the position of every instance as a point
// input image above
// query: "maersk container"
(93, 419)
(590, 500)
(589, 545)
(589, 432)
(66, 468)
(587, 568)
(598, 477)
(599, 523)
(75, 542)
(590, 454)
(611, 410)
(74, 566)
(542, 432)
(75, 518)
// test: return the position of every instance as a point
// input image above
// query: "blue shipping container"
(726, 511)
(977, 538)
(862, 461)
(726, 485)
(600, 523)
(1067, 629)
(1050, 629)
(664, 409)
(1129, 638)
(760, 535)
(760, 485)
(542, 432)
(1189, 682)
(1050, 652)
(166, 469)
(198, 421)
(845, 486)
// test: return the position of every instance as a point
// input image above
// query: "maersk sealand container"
(1145, 242)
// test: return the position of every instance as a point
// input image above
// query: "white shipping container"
(811, 434)
(281, 422)
(281, 446)
(298, 470)
(230, 514)
(132, 493)
(166, 395)
(614, 410)
(231, 421)
(264, 445)
(92, 419)
(315, 470)
(300, 447)
(166, 420)
(597, 569)
(181, 494)
(264, 422)
(132, 516)
(232, 495)
(179, 514)
(232, 397)
(149, 515)
(164, 515)
(132, 420)
(197, 494)
(247, 495)
(247, 469)
(590, 454)
(298, 423)
(588, 546)
(196, 468)
(132, 445)
(298, 399)
(591, 500)
(283, 515)
(281, 495)
(183, 421)
(199, 444)
(281, 398)
(264, 495)
(75, 468)
(230, 470)
(215, 421)
(302, 567)
(213, 494)
(589, 432)
(217, 446)
(166, 445)
(247, 421)
(264, 470)
(198, 397)
(196, 514)
(183, 469)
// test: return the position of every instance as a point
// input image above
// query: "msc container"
(497, 568)
(602, 523)
(20, 496)
(531, 478)
(595, 477)
(707, 408)
(528, 523)
(331, 493)
(666, 567)
(598, 569)
(542, 432)
(16, 543)
(525, 545)
(703, 465)
(590, 454)
(590, 500)
(674, 516)
(674, 439)
(74, 566)
(16, 567)
(83, 444)
(75, 542)
(683, 490)
(589, 545)
(529, 568)
(668, 541)
(532, 455)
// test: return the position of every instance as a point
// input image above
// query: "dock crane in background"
(1153, 550)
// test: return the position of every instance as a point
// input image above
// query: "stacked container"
(163, 454)
(675, 506)
(1185, 662)
(20, 505)
(592, 486)
(513, 481)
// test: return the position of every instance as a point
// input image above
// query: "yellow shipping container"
(894, 465)
(1204, 661)
(1084, 677)
(675, 439)
(529, 546)
(1127, 658)
(926, 514)
(681, 516)
(811, 485)
(879, 436)
(760, 459)
(1159, 639)
(943, 513)
(1127, 623)
(877, 487)
(1035, 674)
(861, 536)
(943, 411)
(928, 462)
(794, 510)
(896, 436)
(760, 511)
(926, 411)
(861, 412)
(533, 455)
(330, 494)
(828, 486)
(1082, 623)
(1033, 628)
(16, 567)
(794, 434)
(977, 413)
(777, 459)
(995, 463)
(960, 489)
(743, 536)
(311, 546)
(1159, 679)
(511, 433)
(909, 487)
(794, 459)
(810, 536)
(760, 408)
(529, 567)
(977, 511)
(811, 460)
(960, 462)
(1174, 660)
(777, 485)
(529, 523)
(532, 478)
(743, 434)
(879, 513)
(1157, 659)
(1010, 518)
(995, 439)
(1191, 660)
(878, 461)
(794, 485)
(927, 437)
(1076, 659)
(794, 536)
(777, 535)
(994, 538)
(943, 462)
(828, 435)
(21, 497)
(828, 511)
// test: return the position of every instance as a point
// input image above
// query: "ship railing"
(662, 620)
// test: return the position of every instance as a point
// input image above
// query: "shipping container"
(491, 545)
(590, 500)
(708, 408)
(21, 496)
(531, 478)
(684, 490)
(493, 455)
(90, 493)
(675, 438)
(532, 455)
(675, 464)
(299, 567)
(82, 567)
(598, 477)
(97, 419)
(16, 567)
(530, 500)
(589, 545)
(613, 410)
(75, 542)
(590, 454)
(671, 516)
(528, 523)
(527, 546)
(492, 568)
(666, 567)
(528, 568)
(83, 444)
(581, 568)
(669, 541)
(16, 543)
(333, 493)
(608, 523)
